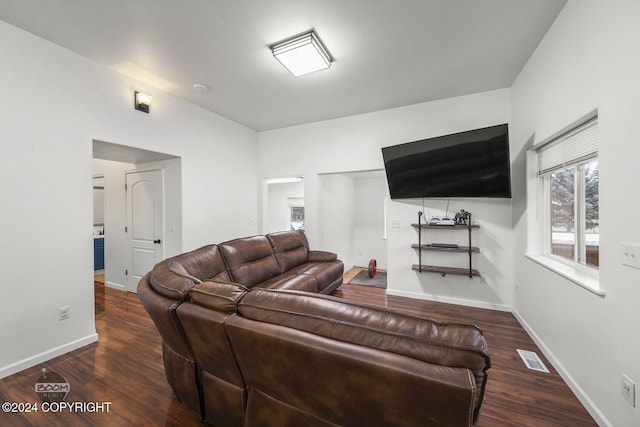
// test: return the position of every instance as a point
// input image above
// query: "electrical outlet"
(629, 390)
(64, 312)
(395, 223)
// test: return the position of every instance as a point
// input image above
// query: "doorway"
(352, 216)
(283, 204)
(115, 162)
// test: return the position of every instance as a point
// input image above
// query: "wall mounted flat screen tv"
(467, 164)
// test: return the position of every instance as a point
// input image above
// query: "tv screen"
(466, 164)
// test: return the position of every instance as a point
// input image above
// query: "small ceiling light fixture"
(142, 101)
(285, 180)
(303, 54)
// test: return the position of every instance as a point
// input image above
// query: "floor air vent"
(532, 360)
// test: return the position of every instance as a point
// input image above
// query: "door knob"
(157, 242)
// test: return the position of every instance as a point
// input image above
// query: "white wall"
(53, 104)
(495, 287)
(352, 217)
(337, 214)
(369, 227)
(354, 144)
(588, 60)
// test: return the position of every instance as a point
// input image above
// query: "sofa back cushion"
(445, 344)
(174, 277)
(290, 248)
(250, 260)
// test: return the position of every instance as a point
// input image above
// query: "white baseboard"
(34, 360)
(586, 401)
(114, 285)
(449, 300)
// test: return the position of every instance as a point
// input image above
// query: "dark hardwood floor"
(125, 369)
(515, 395)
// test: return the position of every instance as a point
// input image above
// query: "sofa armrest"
(321, 256)
(220, 296)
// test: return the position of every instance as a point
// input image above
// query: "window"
(568, 169)
(296, 213)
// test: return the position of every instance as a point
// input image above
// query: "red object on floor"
(372, 268)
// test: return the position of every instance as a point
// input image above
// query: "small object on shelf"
(463, 217)
(444, 245)
(434, 220)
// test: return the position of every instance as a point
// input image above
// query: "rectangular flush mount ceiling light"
(285, 180)
(302, 54)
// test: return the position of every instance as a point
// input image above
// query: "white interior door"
(145, 224)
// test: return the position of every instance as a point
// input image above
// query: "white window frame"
(539, 203)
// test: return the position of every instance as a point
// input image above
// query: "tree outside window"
(297, 218)
(592, 213)
(574, 216)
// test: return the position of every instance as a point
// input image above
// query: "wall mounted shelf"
(445, 270)
(443, 247)
(430, 247)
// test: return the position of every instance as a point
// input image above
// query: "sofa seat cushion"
(325, 273)
(250, 260)
(291, 281)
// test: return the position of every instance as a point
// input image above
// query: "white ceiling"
(387, 53)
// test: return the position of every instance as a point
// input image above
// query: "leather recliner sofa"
(280, 260)
(266, 356)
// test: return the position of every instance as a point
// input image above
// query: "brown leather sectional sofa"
(249, 341)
